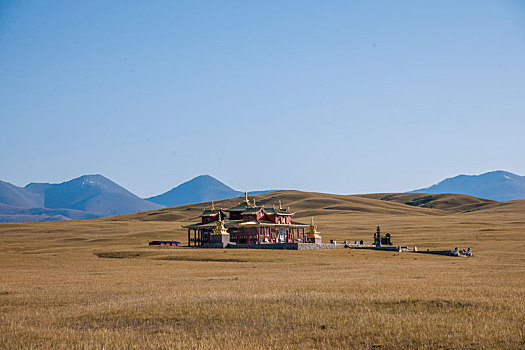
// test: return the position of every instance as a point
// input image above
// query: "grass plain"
(97, 284)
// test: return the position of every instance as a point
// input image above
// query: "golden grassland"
(96, 283)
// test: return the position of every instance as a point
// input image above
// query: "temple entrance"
(281, 235)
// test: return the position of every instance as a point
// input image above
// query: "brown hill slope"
(510, 207)
(449, 202)
(305, 204)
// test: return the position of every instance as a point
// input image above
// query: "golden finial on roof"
(220, 229)
(212, 206)
(280, 205)
(313, 234)
(254, 203)
(246, 196)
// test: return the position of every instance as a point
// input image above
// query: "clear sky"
(330, 96)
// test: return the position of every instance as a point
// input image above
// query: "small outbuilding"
(170, 243)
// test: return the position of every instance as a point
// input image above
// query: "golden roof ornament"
(280, 205)
(254, 203)
(212, 206)
(220, 229)
(313, 233)
(246, 196)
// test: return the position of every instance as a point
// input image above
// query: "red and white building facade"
(249, 223)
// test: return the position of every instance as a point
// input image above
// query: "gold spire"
(313, 233)
(220, 229)
(254, 203)
(212, 206)
(246, 196)
(280, 205)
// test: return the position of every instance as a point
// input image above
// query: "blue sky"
(332, 96)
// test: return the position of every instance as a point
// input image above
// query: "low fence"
(281, 246)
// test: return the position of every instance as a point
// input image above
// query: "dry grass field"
(97, 284)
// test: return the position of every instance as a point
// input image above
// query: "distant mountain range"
(85, 197)
(496, 185)
(203, 188)
(92, 196)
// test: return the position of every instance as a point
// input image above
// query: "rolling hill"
(447, 202)
(495, 185)
(308, 204)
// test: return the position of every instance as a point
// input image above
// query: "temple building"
(249, 223)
